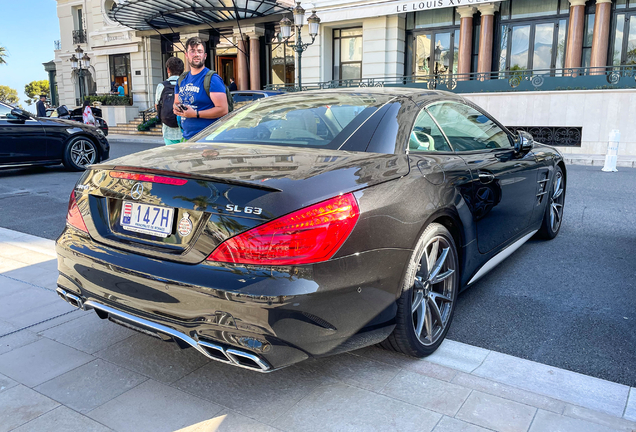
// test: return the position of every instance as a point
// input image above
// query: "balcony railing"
(57, 45)
(586, 78)
(79, 36)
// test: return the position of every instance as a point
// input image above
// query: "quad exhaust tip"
(211, 350)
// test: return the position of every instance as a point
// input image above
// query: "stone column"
(600, 43)
(243, 82)
(484, 64)
(183, 37)
(254, 33)
(465, 40)
(574, 51)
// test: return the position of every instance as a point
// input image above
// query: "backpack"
(206, 87)
(164, 107)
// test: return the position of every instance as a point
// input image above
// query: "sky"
(27, 30)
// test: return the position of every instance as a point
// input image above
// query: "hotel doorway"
(226, 68)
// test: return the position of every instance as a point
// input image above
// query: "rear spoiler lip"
(181, 174)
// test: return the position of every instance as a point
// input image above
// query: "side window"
(5, 112)
(426, 136)
(467, 129)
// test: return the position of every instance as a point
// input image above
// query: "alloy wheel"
(432, 298)
(556, 202)
(83, 153)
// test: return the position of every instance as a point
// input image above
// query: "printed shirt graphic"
(191, 92)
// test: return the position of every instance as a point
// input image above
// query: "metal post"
(81, 85)
(299, 51)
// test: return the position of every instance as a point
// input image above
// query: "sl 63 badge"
(248, 210)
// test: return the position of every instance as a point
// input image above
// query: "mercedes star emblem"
(137, 190)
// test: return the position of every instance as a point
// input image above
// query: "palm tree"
(3, 54)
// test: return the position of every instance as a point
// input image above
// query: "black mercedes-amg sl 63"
(309, 224)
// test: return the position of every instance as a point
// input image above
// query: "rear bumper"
(278, 315)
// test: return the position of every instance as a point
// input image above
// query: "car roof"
(418, 95)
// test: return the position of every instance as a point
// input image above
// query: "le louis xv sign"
(414, 6)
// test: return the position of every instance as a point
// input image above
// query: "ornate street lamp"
(298, 46)
(80, 64)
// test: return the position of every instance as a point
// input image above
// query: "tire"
(429, 291)
(553, 215)
(79, 153)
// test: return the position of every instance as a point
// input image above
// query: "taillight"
(148, 178)
(74, 217)
(310, 235)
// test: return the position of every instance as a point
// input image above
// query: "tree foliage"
(8, 95)
(34, 89)
(3, 55)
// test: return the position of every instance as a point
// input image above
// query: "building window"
(283, 64)
(435, 47)
(623, 45)
(588, 35)
(120, 72)
(347, 54)
(526, 43)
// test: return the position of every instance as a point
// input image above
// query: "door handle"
(486, 177)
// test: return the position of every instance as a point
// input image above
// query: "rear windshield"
(301, 120)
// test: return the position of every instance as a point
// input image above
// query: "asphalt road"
(569, 302)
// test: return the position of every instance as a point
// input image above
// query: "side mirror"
(524, 142)
(18, 113)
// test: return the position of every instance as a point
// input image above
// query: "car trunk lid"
(207, 193)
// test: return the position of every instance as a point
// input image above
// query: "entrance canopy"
(161, 14)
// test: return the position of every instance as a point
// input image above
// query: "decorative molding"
(577, 3)
(552, 135)
(466, 11)
(489, 8)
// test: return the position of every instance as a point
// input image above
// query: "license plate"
(146, 219)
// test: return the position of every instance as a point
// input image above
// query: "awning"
(161, 14)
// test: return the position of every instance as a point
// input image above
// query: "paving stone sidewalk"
(62, 369)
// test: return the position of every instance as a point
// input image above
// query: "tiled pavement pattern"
(62, 369)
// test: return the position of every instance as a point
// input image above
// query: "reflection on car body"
(375, 208)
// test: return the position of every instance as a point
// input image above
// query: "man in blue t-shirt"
(197, 109)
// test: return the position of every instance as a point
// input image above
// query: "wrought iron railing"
(552, 135)
(585, 78)
(148, 114)
(79, 36)
(57, 45)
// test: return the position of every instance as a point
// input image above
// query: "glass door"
(436, 53)
(624, 52)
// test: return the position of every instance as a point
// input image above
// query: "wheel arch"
(450, 219)
(91, 138)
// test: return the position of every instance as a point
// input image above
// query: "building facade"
(537, 56)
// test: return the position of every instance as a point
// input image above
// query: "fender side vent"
(319, 321)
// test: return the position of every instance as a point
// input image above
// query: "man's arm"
(219, 110)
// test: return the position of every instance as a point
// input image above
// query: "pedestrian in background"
(41, 106)
(121, 90)
(200, 95)
(164, 101)
(233, 86)
(87, 114)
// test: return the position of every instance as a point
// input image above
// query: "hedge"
(110, 99)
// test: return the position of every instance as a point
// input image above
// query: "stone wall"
(596, 111)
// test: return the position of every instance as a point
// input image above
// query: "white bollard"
(612, 151)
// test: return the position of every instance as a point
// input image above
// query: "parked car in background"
(29, 140)
(244, 97)
(76, 115)
(309, 224)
